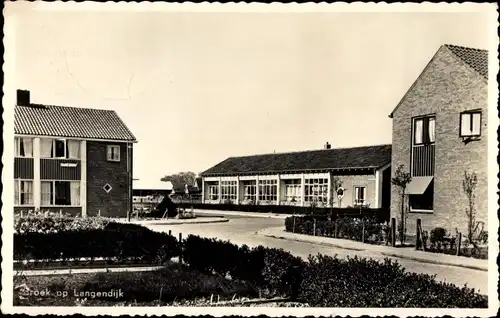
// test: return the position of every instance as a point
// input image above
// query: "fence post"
(335, 228)
(181, 247)
(169, 232)
(363, 234)
(314, 227)
(419, 238)
(459, 243)
(393, 232)
(293, 228)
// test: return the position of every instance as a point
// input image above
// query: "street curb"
(159, 222)
(405, 257)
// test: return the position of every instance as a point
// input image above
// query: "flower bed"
(439, 240)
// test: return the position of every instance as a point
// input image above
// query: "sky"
(198, 87)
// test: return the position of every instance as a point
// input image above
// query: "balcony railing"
(423, 160)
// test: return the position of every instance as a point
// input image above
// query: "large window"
(424, 130)
(250, 190)
(268, 190)
(293, 190)
(228, 190)
(59, 148)
(60, 193)
(470, 124)
(316, 190)
(213, 192)
(23, 192)
(423, 202)
(359, 196)
(114, 153)
(23, 147)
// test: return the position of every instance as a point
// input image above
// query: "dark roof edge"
(78, 138)
(298, 170)
(416, 81)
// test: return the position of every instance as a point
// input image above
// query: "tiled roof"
(64, 121)
(328, 159)
(477, 59)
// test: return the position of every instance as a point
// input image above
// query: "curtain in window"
(26, 192)
(46, 188)
(28, 147)
(16, 192)
(73, 149)
(45, 148)
(465, 125)
(418, 131)
(432, 129)
(75, 193)
(476, 124)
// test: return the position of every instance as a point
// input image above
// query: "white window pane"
(73, 149)
(16, 192)
(46, 148)
(465, 128)
(418, 131)
(432, 129)
(476, 124)
(75, 193)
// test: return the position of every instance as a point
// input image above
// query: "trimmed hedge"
(359, 282)
(350, 228)
(382, 213)
(39, 223)
(115, 241)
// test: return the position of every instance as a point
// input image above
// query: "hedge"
(115, 241)
(349, 227)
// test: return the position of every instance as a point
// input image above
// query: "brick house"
(74, 160)
(301, 178)
(439, 132)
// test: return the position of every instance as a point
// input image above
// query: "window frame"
(471, 114)
(109, 153)
(53, 194)
(17, 146)
(425, 127)
(268, 190)
(250, 195)
(215, 195)
(19, 193)
(229, 190)
(355, 198)
(316, 191)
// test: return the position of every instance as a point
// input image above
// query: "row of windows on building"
(64, 193)
(315, 190)
(57, 148)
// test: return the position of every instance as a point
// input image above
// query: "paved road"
(241, 230)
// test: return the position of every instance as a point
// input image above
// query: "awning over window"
(418, 185)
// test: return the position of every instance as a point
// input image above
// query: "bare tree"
(469, 186)
(401, 179)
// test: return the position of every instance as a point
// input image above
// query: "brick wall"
(99, 172)
(446, 88)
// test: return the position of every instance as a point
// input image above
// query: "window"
(23, 192)
(423, 202)
(470, 124)
(228, 190)
(60, 193)
(250, 190)
(59, 148)
(23, 147)
(424, 130)
(113, 153)
(213, 192)
(268, 190)
(359, 196)
(293, 190)
(316, 190)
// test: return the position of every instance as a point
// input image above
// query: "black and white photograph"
(250, 159)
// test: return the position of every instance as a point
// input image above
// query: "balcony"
(423, 160)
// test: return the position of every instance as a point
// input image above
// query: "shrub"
(115, 242)
(359, 282)
(282, 272)
(40, 223)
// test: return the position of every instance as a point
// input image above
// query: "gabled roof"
(475, 59)
(367, 157)
(65, 121)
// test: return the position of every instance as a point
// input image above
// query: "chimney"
(23, 97)
(328, 146)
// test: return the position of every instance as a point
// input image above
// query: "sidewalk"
(244, 214)
(403, 253)
(67, 271)
(198, 220)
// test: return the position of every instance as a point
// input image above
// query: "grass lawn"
(176, 282)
